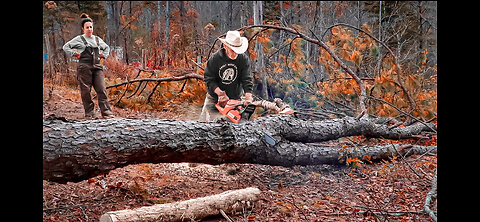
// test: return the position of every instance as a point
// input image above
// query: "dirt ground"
(392, 190)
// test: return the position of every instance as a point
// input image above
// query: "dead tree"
(74, 151)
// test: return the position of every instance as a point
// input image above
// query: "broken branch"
(165, 79)
(193, 209)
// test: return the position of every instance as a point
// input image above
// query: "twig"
(301, 211)
(153, 91)
(389, 213)
(70, 207)
(403, 158)
(225, 216)
(198, 65)
(399, 110)
(431, 196)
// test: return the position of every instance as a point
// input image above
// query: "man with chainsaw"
(227, 76)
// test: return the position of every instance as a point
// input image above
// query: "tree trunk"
(259, 61)
(189, 210)
(167, 33)
(74, 151)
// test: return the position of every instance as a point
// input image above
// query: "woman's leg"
(99, 86)
(84, 77)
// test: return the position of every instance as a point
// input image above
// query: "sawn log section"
(74, 151)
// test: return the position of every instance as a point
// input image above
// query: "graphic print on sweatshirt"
(228, 73)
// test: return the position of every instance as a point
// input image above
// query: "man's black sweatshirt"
(229, 75)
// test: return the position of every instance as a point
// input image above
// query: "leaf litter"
(373, 192)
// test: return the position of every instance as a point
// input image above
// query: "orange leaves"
(360, 50)
(345, 86)
(348, 46)
(263, 39)
(250, 21)
(356, 57)
(352, 160)
(335, 30)
(253, 54)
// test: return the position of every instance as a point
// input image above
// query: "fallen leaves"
(292, 194)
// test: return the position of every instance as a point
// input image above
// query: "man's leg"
(209, 112)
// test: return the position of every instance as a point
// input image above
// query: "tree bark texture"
(189, 210)
(74, 151)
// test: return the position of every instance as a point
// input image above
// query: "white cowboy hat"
(237, 43)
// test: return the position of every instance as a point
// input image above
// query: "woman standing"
(86, 48)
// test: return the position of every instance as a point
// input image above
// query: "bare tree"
(259, 61)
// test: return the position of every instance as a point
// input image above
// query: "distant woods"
(169, 35)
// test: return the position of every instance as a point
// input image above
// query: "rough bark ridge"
(74, 151)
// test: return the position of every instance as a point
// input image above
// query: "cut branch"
(189, 210)
(74, 151)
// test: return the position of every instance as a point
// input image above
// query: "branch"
(165, 79)
(431, 195)
(397, 65)
(405, 113)
(363, 94)
(198, 65)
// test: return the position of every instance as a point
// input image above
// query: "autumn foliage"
(153, 96)
(296, 79)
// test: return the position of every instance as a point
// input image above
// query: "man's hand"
(222, 97)
(76, 55)
(248, 99)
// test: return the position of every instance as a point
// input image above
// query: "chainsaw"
(236, 111)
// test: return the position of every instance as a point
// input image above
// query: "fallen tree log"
(189, 210)
(74, 151)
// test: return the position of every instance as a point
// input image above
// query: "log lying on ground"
(189, 210)
(74, 151)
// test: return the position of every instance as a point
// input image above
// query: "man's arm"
(210, 77)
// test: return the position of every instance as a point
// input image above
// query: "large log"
(188, 210)
(74, 151)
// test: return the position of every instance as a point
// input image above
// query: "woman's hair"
(85, 18)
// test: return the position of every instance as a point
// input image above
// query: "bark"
(74, 151)
(431, 197)
(189, 210)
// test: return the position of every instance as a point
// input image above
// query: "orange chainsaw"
(236, 111)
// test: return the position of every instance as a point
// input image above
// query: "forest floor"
(392, 190)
